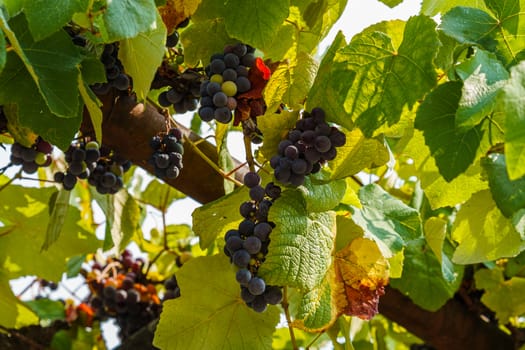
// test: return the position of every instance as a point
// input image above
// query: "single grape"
(171, 283)
(242, 71)
(243, 84)
(30, 167)
(213, 88)
(243, 276)
(162, 160)
(229, 74)
(229, 88)
(297, 179)
(252, 245)
(173, 96)
(231, 60)
(206, 113)
(282, 175)
(337, 138)
(299, 166)
(173, 39)
(43, 146)
(231, 103)
(217, 78)
(109, 292)
(308, 137)
(259, 304)
(172, 172)
(40, 158)
(262, 230)
(247, 209)
(273, 295)
(251, 179)
(163, 99)
(59, 177)
(28, 154)
(127, 283)
(133, 296)
(248, 60)
(257, 193)
(322, 144)
(234, 243)
(240, 50)
(246, 295)
(217, 66)
(108, 179)
(92, 155)
(223, 115)
(121, 82)
(69, 182)
(241, 258)
(246, 227)
(312, 155)
(220, 99)
(256, 286)
(291, 152)
(77, 167)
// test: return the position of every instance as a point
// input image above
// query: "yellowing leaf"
(176, 11)
(361, 274)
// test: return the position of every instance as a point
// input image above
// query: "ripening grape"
(251, 179)
(256, 286)
(229, 88)
(241, 258)
(243, 276)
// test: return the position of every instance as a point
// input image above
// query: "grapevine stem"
(159, 254)
(33, 179)
(249, 155)
(210, 162)
(23, 338)
(72, 292)
(285, 304)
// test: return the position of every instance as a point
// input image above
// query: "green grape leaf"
(329, 87)
(291, 81)
(483, 77)
(387, 220)
(498, 32)
(508, 195)
(141, 55)
(357, 154)
(439, 192)
(47, 309)
(513, 100)
(15, 85)
(202, 39)
(216, 217)
(93, 70)
(433, 7)
(300, 245)
(74, 265)
(159, 195)
(15, 314)
(258, 20)
(59, 205)
(503, 296)
(435, 232)
(387, 77)
(52, 63)
(46, 17)
(320, 16)
(210, 313)
(24, 213)
(422, 279)
(270, 122)
(322, 197)
(93, 105)
(126, 19)
(453, 151)
(494, 235)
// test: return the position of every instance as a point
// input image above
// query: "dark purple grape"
(241, 258)
(206, 114)
(229, 74)
(220, 99)
(322, 144)
(174, 96)
(252, 245)
(251, 179)
(246, 295)
(273, 295)
(231, 60)
(257, 193)
(256, 286)
(234, 243)
(217, 66)
(337, 138)
(246, 227)
(243, 276)
(299, 166)
(243, 84)
(291, 152)
(247, 209)
(223, 115)
(262, 230)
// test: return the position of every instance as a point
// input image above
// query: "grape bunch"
(31, 158)
(114, 71)
(167, 154)
(228, 77)
(102, 168)
(310, 144)
(120, 290)
(247, 246)
(184, 91)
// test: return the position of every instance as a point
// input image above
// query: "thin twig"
(154, 260)
(210, 162)
(249, 155)
(285, 304)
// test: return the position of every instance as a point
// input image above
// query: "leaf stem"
(249, 155)
(314, 340)
(285, 305)
(27, 288)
